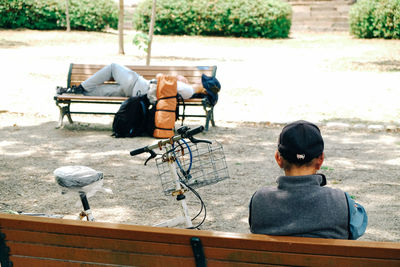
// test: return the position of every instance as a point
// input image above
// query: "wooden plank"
(189, 75)
(191, 100)
(80, 72)
(148, 70)
(66, 97)
(96, 255)
(91, 98)
(292, 258)
(218, 263)
(115, 244)
(190, 70)
(77, 80)
(23, 261)
(192, 78)
(152, 67)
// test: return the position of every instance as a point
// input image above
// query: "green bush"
(29, 14)
(375, 19)
(92, 15)
(241, 18)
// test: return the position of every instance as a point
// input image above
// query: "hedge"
(92, 15)
(375, 19)
(239, 18)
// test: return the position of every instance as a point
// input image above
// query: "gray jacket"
(300, 206)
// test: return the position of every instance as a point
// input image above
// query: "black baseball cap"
(300, 142)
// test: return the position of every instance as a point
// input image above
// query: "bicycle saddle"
(76, 176)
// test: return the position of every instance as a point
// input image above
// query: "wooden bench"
(80, 72)
(34, 241)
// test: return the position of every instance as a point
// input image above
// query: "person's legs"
(124, 78)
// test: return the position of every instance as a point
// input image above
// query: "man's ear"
(278, 159)
(320, 161)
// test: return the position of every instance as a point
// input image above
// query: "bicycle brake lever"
(152, 156)
(195, 141)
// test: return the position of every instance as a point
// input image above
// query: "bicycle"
(186, 163)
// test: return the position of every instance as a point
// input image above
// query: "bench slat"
(115, 244)
(77, 79)
(23, 262)
(292, 259)
(97, 255)
(66, 97)
(154, 68)
(54, 254)
(193, 72)
(81, 72)
(91, 98)
(30, 261)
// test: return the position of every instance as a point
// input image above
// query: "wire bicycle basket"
(197, 165)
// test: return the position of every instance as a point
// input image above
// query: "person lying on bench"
(302, 205)
(129, 83)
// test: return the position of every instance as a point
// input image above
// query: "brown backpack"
(165, 115)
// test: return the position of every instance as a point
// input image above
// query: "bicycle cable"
(184, 172)
(202, 206)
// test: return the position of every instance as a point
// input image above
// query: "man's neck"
(300, 171)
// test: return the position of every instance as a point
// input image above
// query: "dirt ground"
(341, 81)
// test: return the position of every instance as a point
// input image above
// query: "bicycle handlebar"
(184, 133)
(138, 151)
(192, 132)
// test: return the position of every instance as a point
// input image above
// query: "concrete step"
(320, 15)
(327, 15)
(321, 2)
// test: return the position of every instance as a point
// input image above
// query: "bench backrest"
(34, 241)
(80, 72)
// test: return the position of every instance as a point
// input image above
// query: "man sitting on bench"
(129, 83)
(301, 205)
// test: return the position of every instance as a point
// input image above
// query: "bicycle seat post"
(86, 208)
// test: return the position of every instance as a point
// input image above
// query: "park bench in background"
(35, 241)
(80, 72)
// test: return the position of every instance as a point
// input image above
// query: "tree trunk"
(121, 27)
(151, 30)
(67, 15)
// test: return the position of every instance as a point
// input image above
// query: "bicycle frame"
(184, 218)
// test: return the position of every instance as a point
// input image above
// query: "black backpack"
(133, 118)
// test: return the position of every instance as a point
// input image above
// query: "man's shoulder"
(333, 191)
(266, 189)
(264, 192)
